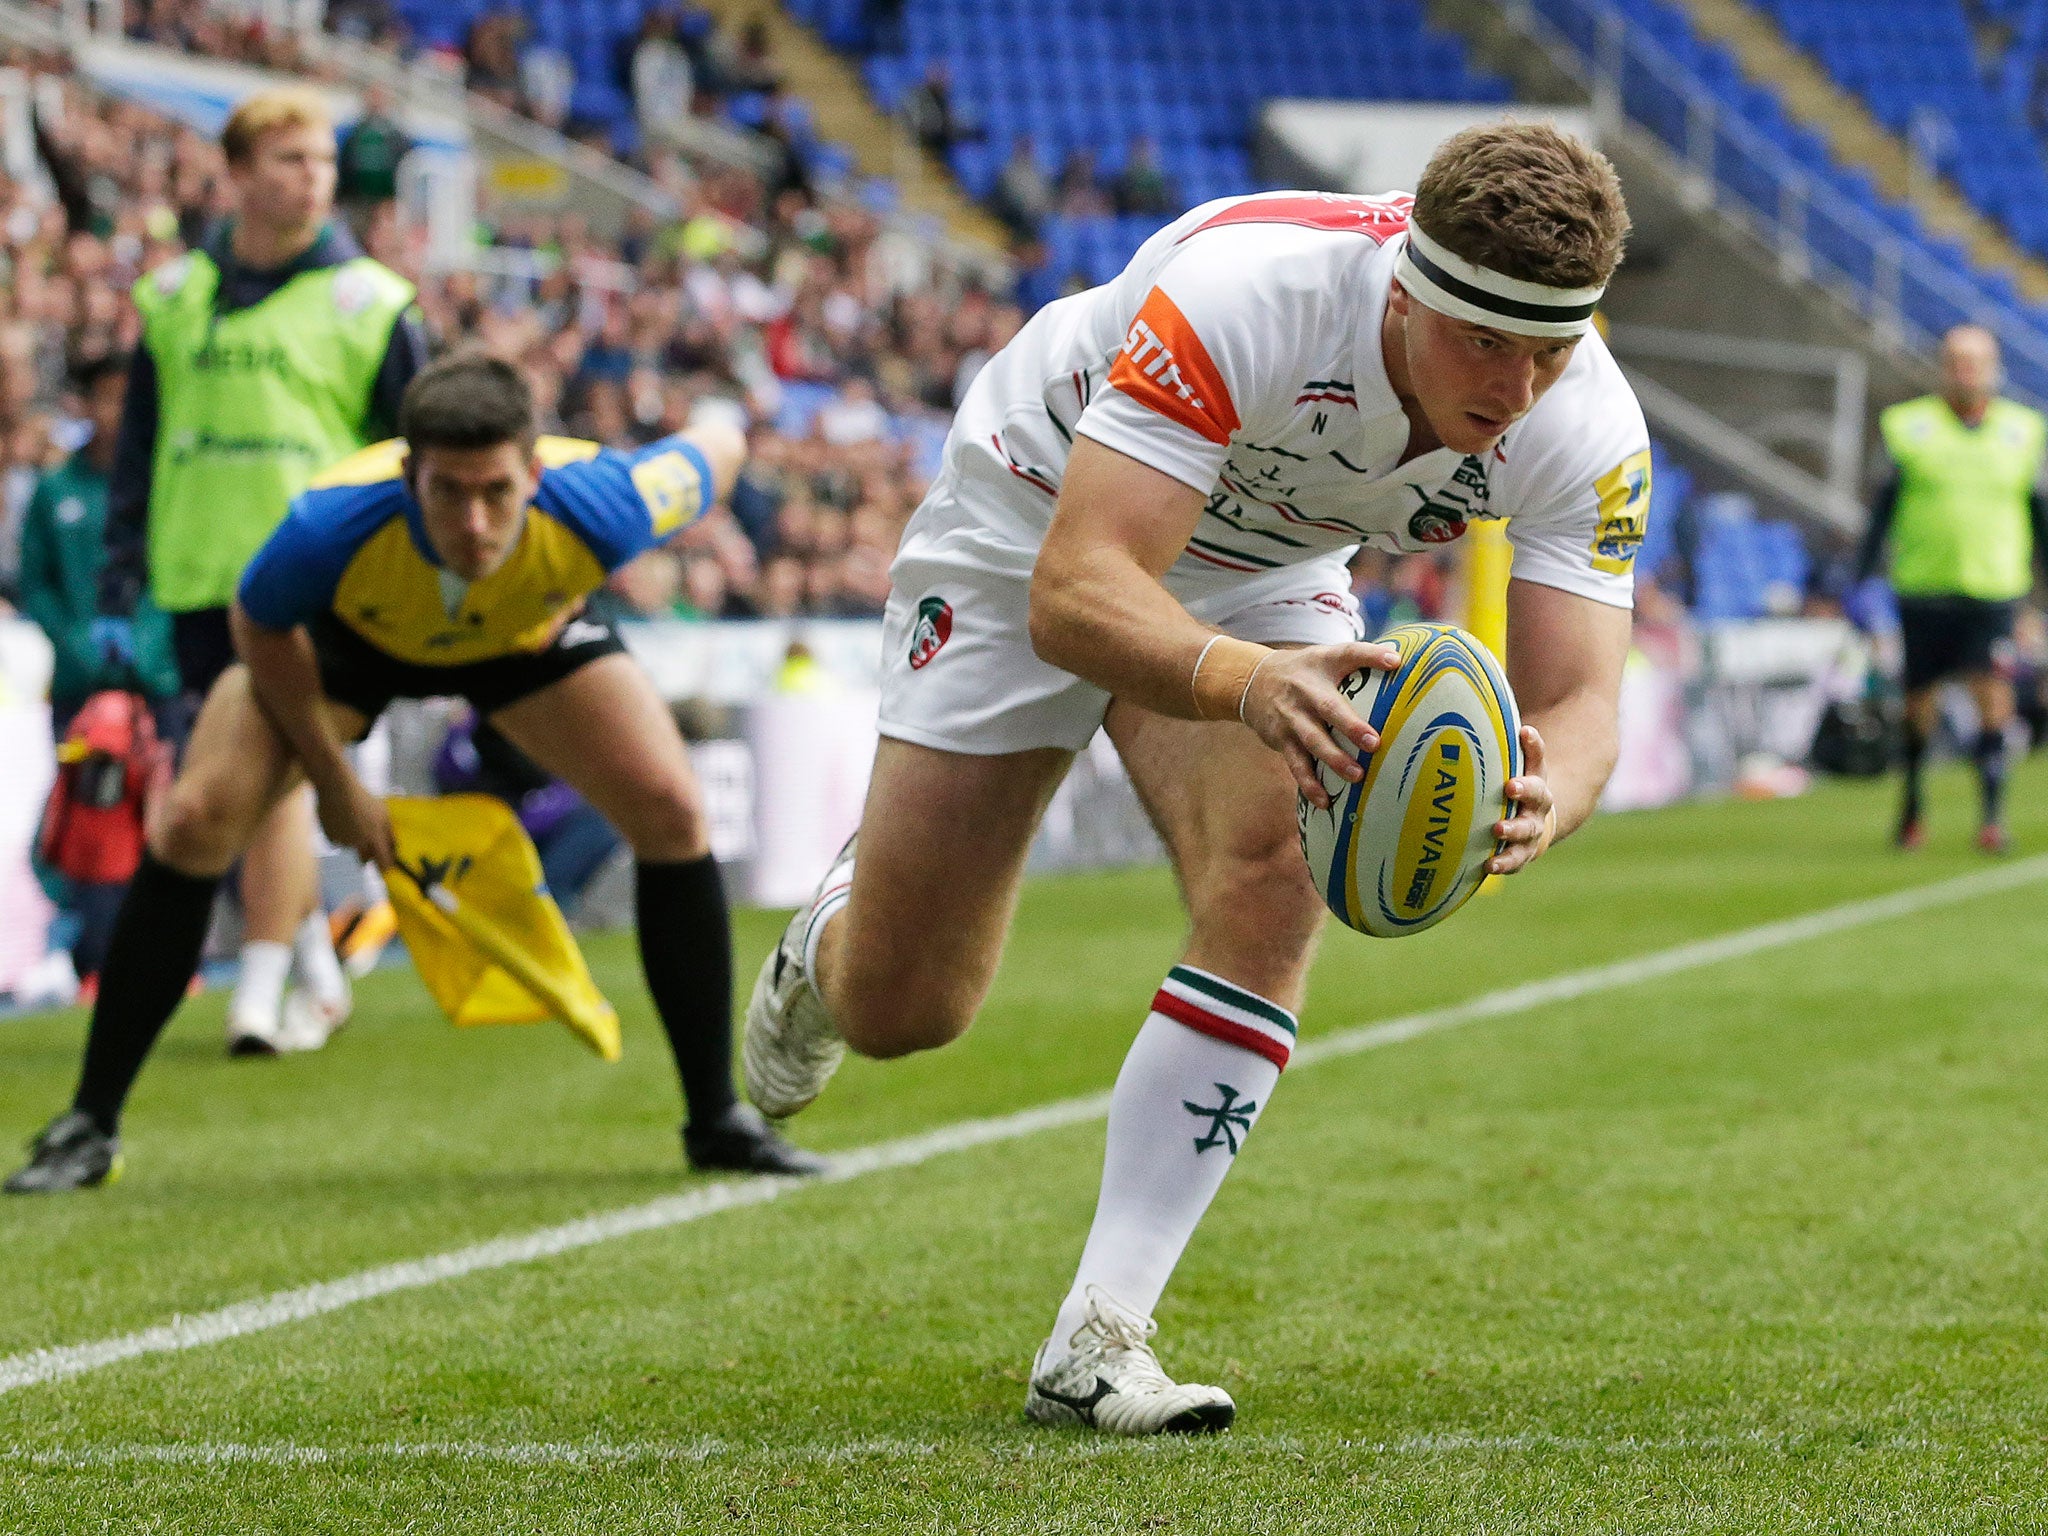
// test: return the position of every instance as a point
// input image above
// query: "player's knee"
(1262, 891)
(666, 823)
(885, 1022)
(201, 828)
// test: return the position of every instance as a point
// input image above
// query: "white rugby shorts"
(959, 673)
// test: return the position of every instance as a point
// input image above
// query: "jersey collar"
(1376, 395)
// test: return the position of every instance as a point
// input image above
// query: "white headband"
(1456, 287)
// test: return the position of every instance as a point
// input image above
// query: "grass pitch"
(1753, 1248)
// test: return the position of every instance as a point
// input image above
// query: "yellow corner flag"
(489, 942)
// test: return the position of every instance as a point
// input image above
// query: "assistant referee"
(1963, 514)
(269, 354)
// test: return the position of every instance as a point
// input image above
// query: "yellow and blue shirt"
(354, 550)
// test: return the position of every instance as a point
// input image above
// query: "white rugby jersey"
(1239, 352)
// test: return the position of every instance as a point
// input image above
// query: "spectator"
(662, 83)
(854, 415)
(704, 592)
(1022, 197)
(782, 588)
(1142, 187)
(490, 56)
(752, 65)
(645, 587)
(547, 82)
(1080, 193)
(929, 114)
(366, 162)
(63, 552)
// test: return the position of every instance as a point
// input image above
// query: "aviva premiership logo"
(1439, 819)
(1624, 493)
(934, 628)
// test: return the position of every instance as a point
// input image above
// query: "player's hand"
(1533, 826)
(1296, 708)
(354, 818)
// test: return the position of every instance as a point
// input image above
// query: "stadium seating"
(1914, 64)
(1848, 248)
(1093, 74)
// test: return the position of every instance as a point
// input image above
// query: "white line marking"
(1030, 1445)
(282, 1307)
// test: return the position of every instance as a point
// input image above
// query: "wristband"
(1223, 676)
(1248, 684)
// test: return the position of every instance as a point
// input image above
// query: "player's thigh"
(942, 846)
(237, 766)
(1224, 805)
(605, 732)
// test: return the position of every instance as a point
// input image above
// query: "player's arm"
(125, 576)
(1565, 657)
(1100, 611)
(292, 578)
(405, 354)
(285, 675)
(623, 504)
(1870, 549)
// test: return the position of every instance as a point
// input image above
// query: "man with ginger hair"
(1142, 523)
(268, 354)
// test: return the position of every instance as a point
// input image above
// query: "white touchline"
(599, 1454)
(294, 1306)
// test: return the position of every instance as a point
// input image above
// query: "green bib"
(251, 405)
(1961, 526)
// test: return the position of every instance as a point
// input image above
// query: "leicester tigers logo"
(1435, 525)
(934, 628)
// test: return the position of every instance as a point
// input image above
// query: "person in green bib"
(267, 355)
(1963, 514)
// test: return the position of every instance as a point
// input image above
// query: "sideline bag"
(110, 768)
(1857, 738)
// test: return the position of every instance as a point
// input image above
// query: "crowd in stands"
(624, 90)
(835, 340)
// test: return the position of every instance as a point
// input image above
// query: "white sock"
(259, 992)
(1196, 1078)
(318, 966)
(833, 894)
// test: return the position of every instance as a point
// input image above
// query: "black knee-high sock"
(686, 953)
(150, 960)
(1990, 755)
(1916, 754)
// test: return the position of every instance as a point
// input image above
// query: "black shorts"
(1950, 636)
(366, 679)
(205, 648)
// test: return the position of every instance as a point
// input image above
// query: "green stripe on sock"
(1224, 992)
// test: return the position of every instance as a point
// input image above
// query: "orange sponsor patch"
(1164, 365)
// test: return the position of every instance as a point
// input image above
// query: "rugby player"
(453, 560)
(1964, 515)
(1142, 524)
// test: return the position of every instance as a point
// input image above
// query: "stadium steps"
(1856, 137)
(844, 112)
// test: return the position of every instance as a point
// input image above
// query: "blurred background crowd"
(797, 313)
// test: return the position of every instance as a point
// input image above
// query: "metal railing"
(1820, 235)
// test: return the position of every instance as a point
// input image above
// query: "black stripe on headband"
(1513, 309)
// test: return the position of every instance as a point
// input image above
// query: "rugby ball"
(1407, 845)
